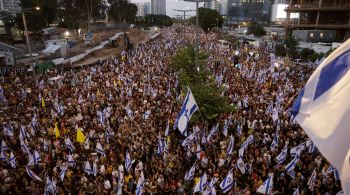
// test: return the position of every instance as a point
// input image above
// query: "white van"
(223, 44)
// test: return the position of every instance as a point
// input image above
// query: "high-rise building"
(143, 8)
(158, 7)
(11, 6)
(218, 5)
(249, 10)
(319, 20)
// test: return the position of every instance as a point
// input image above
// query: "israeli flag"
(266, 187)
(71, 161)
(312, 180)
(46, 146)
(8, 130)
(128, 161)
(290, 167)
(50, 186)
(210, 190)
(190, 174)
(230, 147)
(296, 192)
(228, 182)
(2, 96)
(245, 144)
(322, 110)
(274, 143)
(24, 147)
(33, 175)
(212, 132)
(23, 135)
(3, 145)
(108, 134)
(239, 129)
(167, 129)
(34, 158)
(88, 168)
(296, 151)
(94, 169)
(3, 156)
(146, 115)
(129, 112)
(282, 156)
(188, 141)
(226, 125)
(310, 145)
(12, 160)
(69, 144)
(161, 146)
(335, 172)
(99, 149)
(63, 172)
(240, 165)
(188, 108)
(101, 117)
(200, 186)
(139, 187)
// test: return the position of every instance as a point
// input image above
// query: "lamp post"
(184, 11)
(197, 26)
(26, 34)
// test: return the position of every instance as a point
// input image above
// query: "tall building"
(249, 10)
(218, 5)
(143, 8)
(11, 6)
(319, 20)
(279, 13)
(158, 7)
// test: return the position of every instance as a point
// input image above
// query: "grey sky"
(176, 4)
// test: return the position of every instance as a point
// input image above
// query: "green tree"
(280, 50)
(202, 83)
(208, 19)
(155, 20)
(256, 30)
(122, 11)
(291, 44)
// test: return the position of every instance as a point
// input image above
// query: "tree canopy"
(256, 30)
(208, 19)
(202, 83)
(122, 11)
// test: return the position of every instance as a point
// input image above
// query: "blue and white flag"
(188, 141)
(99, 149)
(161, 146)
(274, 143)
(120, 180)
(239, 129)
(310, 145)
(230, 147)
(312, 180)
(71, 161)
(2, 96)
(167, 129)
(245, 144)
(282, 156)
(290, 167)
(297, 150)
(240, 165)
(3, 145)
(8, 130)
(226, 126)
(94, 169)
(69, 144)
(200, 186)
(129, 112)
(23, 135)
(34, 158)
(128, 161)
(63, 172)
(228, 182)
(33, 175)
(296, 192)
(210, 190)
(266, 187)
(24, 147)
(188, 108)
(50, 187)
(322, 110)
(12, 160)
(88, 168)
(335, 172)
(146, 114)
(3, 156)
(190, 173)
(139, 187)
(46, 146)
(212, 132)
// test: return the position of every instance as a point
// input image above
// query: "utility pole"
(197, 27)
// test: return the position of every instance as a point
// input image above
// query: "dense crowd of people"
(97, 129)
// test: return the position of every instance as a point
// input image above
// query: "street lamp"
(184, 11)
(197, 26)
(26, 34)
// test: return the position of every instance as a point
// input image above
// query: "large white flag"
(228, 182)
(187, 110)
(266, 187)
(322, 110)
(201, 184)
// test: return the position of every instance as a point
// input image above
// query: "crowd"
(108, 128)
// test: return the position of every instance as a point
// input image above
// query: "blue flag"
(188, 108)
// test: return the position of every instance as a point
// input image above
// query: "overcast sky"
(176, 4)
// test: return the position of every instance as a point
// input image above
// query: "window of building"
(321, 35)
(312, 35)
